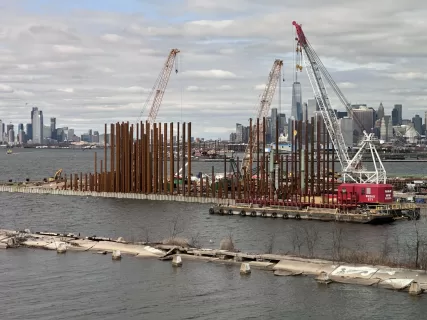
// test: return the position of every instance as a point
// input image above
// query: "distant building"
(274, 123)
(11, 136)
(239, 133)
(53, 134)
(28, 131)
(380, 111)
(312, 107)
(347, 128)
(398, 114)
(1, 131)
(37, 122)
(297, 112)
(386, 129)
(95, 137)
(365, 117)
(418, 123)
(282, 123)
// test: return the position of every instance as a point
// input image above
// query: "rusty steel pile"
(142, 160)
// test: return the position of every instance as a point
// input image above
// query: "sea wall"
(118, 195)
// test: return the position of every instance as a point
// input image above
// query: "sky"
(90, 62)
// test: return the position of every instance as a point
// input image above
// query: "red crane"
(159, 87)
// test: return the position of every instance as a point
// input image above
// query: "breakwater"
(325, 271)
(118, 195)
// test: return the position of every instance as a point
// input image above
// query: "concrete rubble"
(324, 271)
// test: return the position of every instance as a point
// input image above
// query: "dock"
(378, 214)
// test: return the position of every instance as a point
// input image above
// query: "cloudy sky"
(90, 62)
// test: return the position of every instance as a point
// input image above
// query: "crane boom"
(159, 87)
(352, 168)
(264, 106)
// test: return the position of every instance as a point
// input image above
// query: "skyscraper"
(297, 101)
(53, 128)
(398, 108)
(37, 122)
(386, 129)
(380, 112)
(273, 124)
(1, 131)
(239, 133)
(366, 118)
(418, 123)
(30, 133)
(312, 107)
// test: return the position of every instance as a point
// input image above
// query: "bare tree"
(297, 240)
(337, 242)
(175, 228)
(195, 241)
(397, 244)
(311, 235)
(227, 243)
(385, 250)
(417, 243)
(270, 243)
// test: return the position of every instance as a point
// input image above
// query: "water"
(38, 284)
(36, 164)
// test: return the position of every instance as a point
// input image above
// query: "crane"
(264, 107)
(159, 87)
(352, 168)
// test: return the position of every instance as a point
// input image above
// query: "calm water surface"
(38, 284)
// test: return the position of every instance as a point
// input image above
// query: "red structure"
(365, 193)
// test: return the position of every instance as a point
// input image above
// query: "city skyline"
(97, 64)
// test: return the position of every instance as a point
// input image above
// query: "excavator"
(57, 176)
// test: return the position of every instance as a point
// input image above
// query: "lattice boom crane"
(159, 87)
(352, 169)
(264, 107)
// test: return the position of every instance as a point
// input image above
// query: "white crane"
(263, 109)
(352, 169)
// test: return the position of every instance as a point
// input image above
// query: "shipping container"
(365, 193)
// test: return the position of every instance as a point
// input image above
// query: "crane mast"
(352, 169)
(264, 107)
(159, 87)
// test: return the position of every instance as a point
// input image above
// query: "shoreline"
(325, 271)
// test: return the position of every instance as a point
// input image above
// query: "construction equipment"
(352, 168)
(263, 110)
(57, 176)
(159, 88)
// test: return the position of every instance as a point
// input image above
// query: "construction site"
(301, 183)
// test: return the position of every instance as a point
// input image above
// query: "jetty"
(323, 271)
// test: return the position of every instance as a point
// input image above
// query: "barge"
(379, 214)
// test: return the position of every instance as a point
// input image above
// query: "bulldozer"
(57, 176)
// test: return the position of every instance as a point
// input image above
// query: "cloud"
(210, 74)
(68, 90)
(5, 88)
(89, 66)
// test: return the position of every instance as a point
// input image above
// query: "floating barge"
(379, 214)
